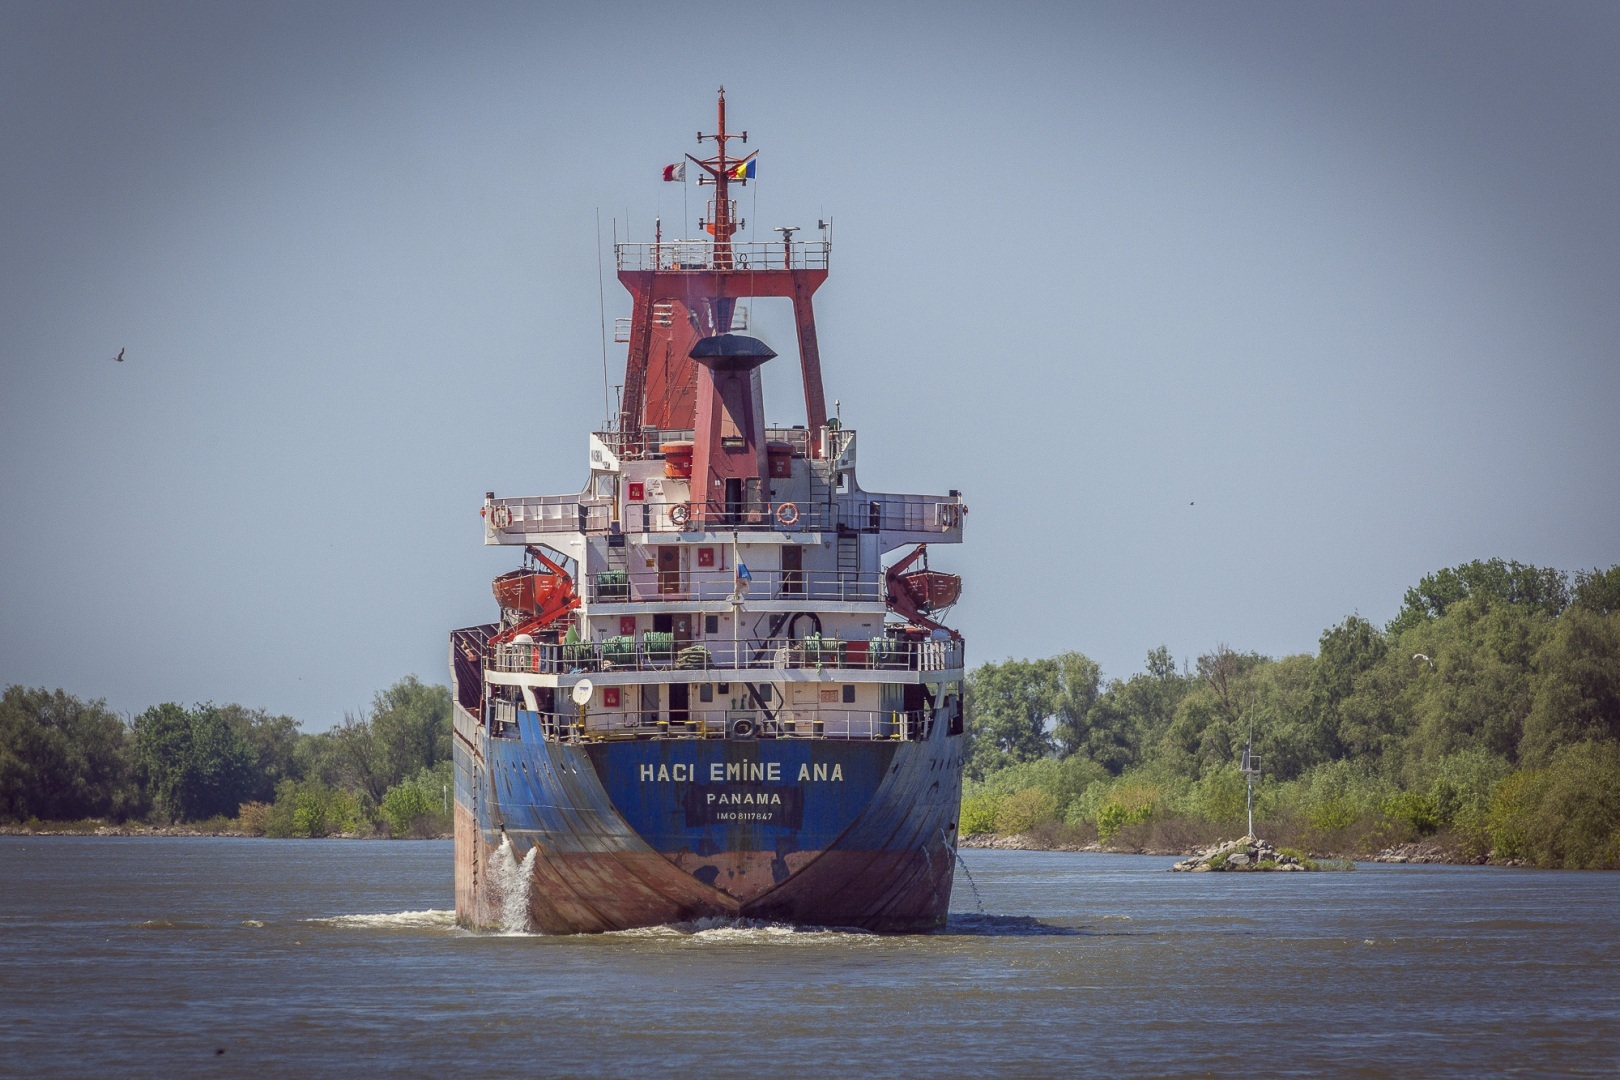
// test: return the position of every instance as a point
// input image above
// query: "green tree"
(62, 758)
(416, 807)
(195, 762)
(1211, 721)
(1009, 706)
(1565, 815)
(360, 763)
(274, 740)
(1598, 591)
(411, 724)
(1479, 691)
(1575, 694)
(1079, 685)
(1132, 717)
(1489, 582)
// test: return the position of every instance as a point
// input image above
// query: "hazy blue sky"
(1228, 319)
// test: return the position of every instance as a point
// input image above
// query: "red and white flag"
(675, 172)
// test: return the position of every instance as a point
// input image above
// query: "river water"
(150, 956)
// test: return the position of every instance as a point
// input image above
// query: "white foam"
(719, 930)
(431, 919)
(512, 881)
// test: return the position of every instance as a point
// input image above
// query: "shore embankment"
(1418, 852)
(103, 828)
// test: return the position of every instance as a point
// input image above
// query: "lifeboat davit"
(538, 596)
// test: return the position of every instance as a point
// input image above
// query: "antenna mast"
(1250, 769)
(722, 171)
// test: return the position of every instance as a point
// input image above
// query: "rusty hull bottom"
(580, 892)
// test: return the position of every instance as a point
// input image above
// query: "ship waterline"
(719, 685)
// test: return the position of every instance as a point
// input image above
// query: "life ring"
(500, 517)
(679, 514)
(787, 513)
(742, 729)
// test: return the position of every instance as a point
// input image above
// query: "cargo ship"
(718, 685)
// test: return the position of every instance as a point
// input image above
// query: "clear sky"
(1229, 320)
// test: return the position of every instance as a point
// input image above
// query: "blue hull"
(637, 833)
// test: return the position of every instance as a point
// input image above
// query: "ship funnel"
(731, 352)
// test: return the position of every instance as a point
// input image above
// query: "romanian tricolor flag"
(743, 170)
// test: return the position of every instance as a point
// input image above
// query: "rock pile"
(1419, 852)
(1246, 853)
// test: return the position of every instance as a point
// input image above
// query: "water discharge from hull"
(513, 880)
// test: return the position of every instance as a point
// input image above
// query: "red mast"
(680, 296)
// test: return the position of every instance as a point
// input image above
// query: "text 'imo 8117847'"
(707, 694)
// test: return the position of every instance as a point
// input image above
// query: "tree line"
(1485, 715)
(385, 770)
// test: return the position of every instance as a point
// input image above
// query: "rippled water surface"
(151, 956)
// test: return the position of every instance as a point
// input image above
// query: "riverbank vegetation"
(1485, 716)
(384, 772)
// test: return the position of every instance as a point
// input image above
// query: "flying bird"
(120, 356)
(1425, 659)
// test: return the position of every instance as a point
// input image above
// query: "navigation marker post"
(1250, 769)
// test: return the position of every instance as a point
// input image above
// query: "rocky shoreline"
(1416, 852)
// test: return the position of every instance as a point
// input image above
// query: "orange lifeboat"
(932, 590)
(529, 591)
(542, 596)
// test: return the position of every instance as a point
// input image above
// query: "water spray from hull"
(512, 880)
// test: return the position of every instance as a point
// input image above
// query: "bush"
(1221, 797)
(1418, 812)
(979, 813)
(1065, 779)
(310, 808)
(1023, 810)
(415, 807)
(1335, 795)
(1127, 804)
(1566, 815)
(253, 818)
(1462, 788)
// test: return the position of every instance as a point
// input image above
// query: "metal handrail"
(933, 515)
(646, 445)
(763, 724)
(644, 586)
(698, 255)
(719, 655)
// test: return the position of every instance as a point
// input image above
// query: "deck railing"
(737, 724)
(698, 255)
(653, 586)
(719, 655)
(647, 444)
(860, 512)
